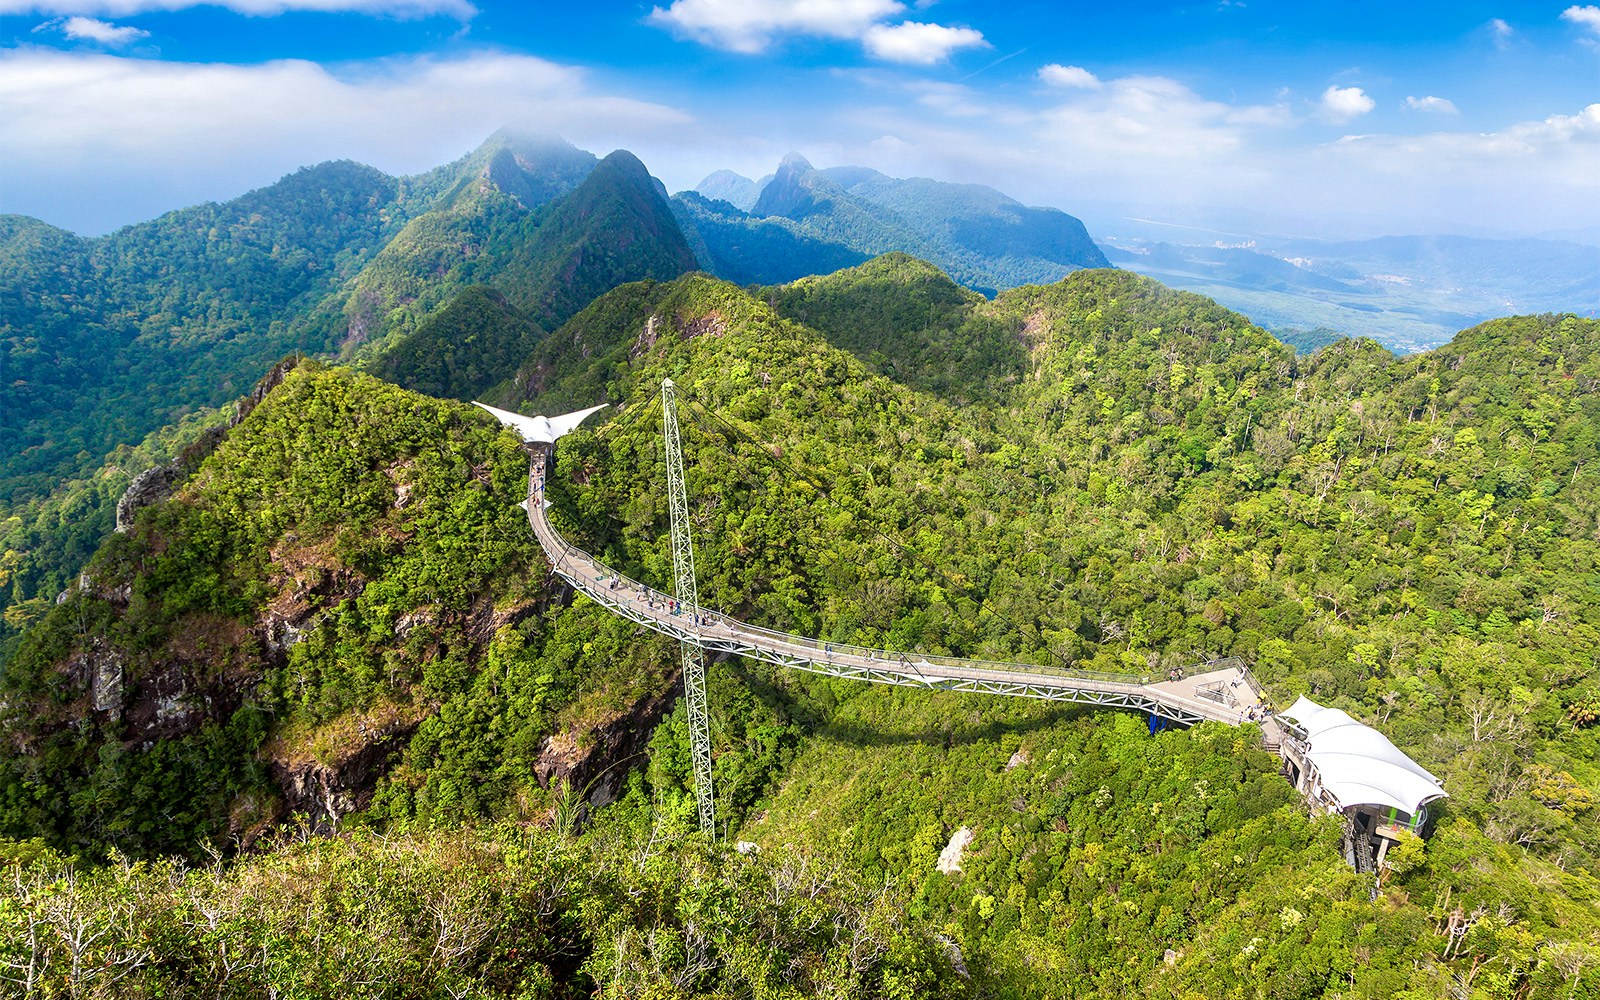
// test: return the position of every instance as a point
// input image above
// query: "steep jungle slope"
(478, 209)
(348, 565)
(1163, 483)
(463, 349)
(543, 266)
(45, 540)
(106, 340)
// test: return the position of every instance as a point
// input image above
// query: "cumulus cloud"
(459, 9)
(1587, 16)
(1057, 75)
(751, 25)
(182, 132)
(918, 43)
(1344, 103)
(1434, 105)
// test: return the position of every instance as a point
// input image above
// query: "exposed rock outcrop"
(597, 761)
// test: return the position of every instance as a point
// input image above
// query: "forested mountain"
(614, 227)
(327, 612)
(804, 221)
(478, 210)
(107, 339)
(458, 272)
(343, 614)
(737, 190)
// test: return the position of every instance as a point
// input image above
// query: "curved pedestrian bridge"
(1222, 691)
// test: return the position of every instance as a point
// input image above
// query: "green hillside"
(463, 349)
(108, 340)
(343, 615)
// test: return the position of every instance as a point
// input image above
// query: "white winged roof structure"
(540, 430)
(1358, 765)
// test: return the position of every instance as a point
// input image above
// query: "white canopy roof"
(1358, 765)
(542, 430)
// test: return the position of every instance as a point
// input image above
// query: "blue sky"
(1319, 119)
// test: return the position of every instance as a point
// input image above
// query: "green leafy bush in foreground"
(492, 913)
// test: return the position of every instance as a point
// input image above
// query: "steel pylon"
(688, 597)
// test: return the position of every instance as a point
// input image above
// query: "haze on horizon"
(1331, 120)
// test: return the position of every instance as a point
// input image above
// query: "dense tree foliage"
(1100, 472)
(44, 541)
(108, 340)
(1411, 539)
(375, 522)
(464, 348)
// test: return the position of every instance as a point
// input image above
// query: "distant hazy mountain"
(808, 217)
(735, 245)
(736, 189)
(1407, 292)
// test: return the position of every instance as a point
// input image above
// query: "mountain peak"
(735, 189)
(624, 162)
(795, 163)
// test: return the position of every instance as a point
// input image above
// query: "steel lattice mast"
(688, 596)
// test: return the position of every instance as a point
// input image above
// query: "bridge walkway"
(1224, 693)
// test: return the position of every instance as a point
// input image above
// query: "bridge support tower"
(688, 597)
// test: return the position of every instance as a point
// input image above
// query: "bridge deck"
(1224, 695)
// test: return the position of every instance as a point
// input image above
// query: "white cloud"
(1057, 75)
(1153, 119)
(459, 9)
(1435, 105)
(104, 32)
(1587, 16)
(1344, 103)
(183, 132)
(915, 42)
(1501, 32)
(1527, 176)
(751, 25)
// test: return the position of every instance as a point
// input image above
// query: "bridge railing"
(626, 587)
(917, 661)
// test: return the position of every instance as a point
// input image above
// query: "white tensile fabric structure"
(540, 430)
(1358, 765)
